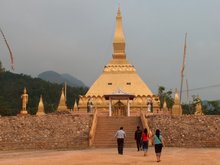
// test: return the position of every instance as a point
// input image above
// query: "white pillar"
(110, 106)
(128, 108)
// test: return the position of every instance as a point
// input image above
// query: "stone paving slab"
(170, 156)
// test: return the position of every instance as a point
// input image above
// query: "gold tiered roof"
(119, 73)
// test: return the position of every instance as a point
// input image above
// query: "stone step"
(107, 127)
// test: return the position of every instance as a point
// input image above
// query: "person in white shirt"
(120, 135)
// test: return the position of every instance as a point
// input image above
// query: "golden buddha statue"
(24, 101)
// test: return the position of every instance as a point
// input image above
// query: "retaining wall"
(187, 130)
(71, 131)
(54, 131)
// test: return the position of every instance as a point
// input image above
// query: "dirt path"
(170, 156)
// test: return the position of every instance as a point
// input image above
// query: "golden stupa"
(40, 110)
(75, 107)
(118, 74)
(177, 109)
(62, 104)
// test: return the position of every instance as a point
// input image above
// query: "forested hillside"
(12, 86)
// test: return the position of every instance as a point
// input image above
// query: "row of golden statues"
(177, 110)
(61, 107)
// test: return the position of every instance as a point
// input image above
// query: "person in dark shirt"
(137, 137)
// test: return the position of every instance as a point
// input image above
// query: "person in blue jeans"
(145, 138)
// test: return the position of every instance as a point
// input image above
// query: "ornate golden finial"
(119, 41)
(119, 12)
(40, 110)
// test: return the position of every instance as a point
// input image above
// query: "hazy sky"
(75, 37)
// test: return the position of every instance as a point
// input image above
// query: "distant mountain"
(55, 77)
(72, 81)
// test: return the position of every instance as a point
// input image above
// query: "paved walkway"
(170, 156)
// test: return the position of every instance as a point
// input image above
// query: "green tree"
(188, 109)
(165, 96)
(208, 107)
(211, 108)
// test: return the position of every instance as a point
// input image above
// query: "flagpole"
(9, 49)
(187, 91)
(65, 88)
(187, 94)
(182, 70)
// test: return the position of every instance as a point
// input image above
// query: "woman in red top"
(145, 138)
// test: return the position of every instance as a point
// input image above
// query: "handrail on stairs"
(93, 128)
(144, 122)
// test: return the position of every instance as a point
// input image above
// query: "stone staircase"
(107, 127)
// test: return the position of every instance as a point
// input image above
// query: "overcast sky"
(75, 37)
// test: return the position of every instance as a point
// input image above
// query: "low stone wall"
(71, 131)
(187, 130)
(54, 131)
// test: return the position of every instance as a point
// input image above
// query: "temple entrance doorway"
(119, 109)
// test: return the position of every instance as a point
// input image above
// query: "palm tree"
(165, 96)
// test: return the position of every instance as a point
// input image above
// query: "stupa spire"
(75, 108)
(177, 109)
(40, 110)
(176, 97)
(119, 40)
(62, 104)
